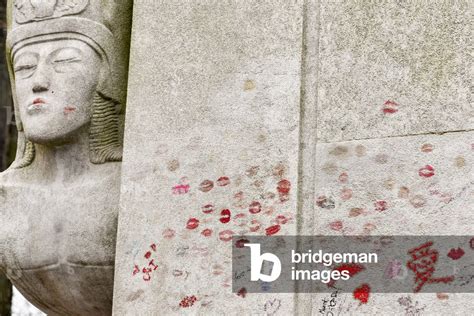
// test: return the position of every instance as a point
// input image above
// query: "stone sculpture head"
(66, 69)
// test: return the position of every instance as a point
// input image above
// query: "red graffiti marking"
(223, 181)
(242, 292)
(455, 254)
(255, 207)
(225, 216)
(390, 107)
(351, 268)
(206, 232)
(207, 209)
(147, 270)
(362, 293)
(381, 205)
(283, 188)
(226, 235)
(69, 110)
(336, 225)
(426, 172)
(206, 186)
(192, 223)
(423, 263)
(188, 301)
(168, 233)
(272, 230)
(182, 188)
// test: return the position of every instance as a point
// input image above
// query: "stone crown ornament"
(36, 10)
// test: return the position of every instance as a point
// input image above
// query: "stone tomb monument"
(59, 200)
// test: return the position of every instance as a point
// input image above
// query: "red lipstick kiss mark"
(283, 188)
(206, 232)
(207, 209)
(255, 226)
(426, 172)
(188, 301)
(168, 233)
(225, 216)
(193, 223)
(182, 188)
(223, 181)
(242, 292)
(272, 230)
(336, 225)
(362, 293)
(226, 235)
(69, 110)
(381, 205)
(38, 101)
(206, 186)
(240, 243)
(390, 107)
(455, 254)
(255, 207)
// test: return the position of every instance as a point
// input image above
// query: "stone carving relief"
(59, 200)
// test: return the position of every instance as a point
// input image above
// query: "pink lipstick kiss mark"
(381, 205)
(207, 209)
(255, 226)
(192, 223)
(456, 254)
(346, 194)
(206, 232)
(426, 172)
(343, 177)
(223, 181)
(168, 233)
(206, 186)
(182, 188)
(336, 225)
(225, 216)
(240, 219)
(226, 235)
(281, 219)
(272, 230)
(362, 293)
(427, 148)
(69, 110)
(255, 207)
(390, 107)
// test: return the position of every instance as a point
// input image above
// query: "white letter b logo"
(256, 263)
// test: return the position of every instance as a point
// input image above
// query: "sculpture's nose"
(41, 81)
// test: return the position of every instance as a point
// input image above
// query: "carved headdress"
(102, 24)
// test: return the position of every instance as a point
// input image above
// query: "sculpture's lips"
(37, 105)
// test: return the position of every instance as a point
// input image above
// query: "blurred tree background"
(7, 140)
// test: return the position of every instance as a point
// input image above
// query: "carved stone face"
(55, 85)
